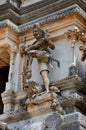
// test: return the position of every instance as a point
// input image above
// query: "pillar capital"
(73, 34)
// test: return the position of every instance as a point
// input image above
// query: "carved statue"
(40, 50)
(83, 50)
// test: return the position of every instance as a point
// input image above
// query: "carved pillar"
(8, 95)
(10, 84)
(74, 36)
(12, 61)
(8, 101)
(18, 72)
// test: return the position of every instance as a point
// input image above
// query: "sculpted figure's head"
(37, 32)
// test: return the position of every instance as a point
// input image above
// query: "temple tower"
(28, 106)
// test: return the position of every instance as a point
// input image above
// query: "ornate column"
(8, 95)
(10, 84)
(74, 36)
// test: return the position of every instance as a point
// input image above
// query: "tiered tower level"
(64, 106)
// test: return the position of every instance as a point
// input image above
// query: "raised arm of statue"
(39, 50)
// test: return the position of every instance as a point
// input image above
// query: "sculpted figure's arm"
(32, 47)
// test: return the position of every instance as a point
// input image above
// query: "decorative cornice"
(73, 100)
(72, 96)
(45, 19)
(9, 23)
(67, 83)
(53, 16)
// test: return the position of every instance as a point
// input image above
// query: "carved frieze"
(44, 19)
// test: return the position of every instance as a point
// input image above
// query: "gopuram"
(42, 65)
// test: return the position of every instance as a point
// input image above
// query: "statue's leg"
(44, 75)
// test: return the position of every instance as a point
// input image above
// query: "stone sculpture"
(40, 50)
